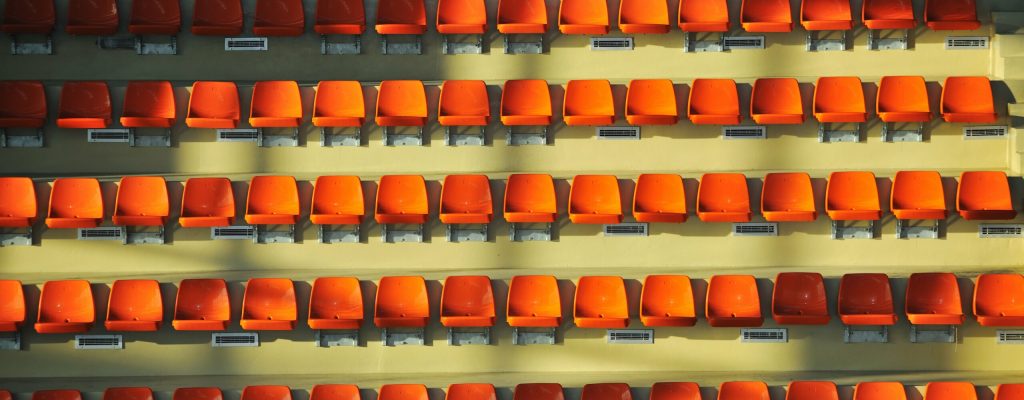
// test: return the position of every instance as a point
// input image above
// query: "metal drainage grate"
(235, 340)
(755, 229)
(243, 232)
(631, 336)
(598, 44)
(744, 132)
(765, 335)
(984, 132)
(1001, 230)
(966, 42)
(107, 135)
(237, 135)
(245, 44)
(1009, 337)
(618, 132)
(626, 229)
(743, 42)
(104, 233)
(98, 342)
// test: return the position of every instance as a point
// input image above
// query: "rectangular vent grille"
(237, 135)
(985, 132)
(235, 340)
(242, 232)
(618, 132)
(765, 335)
(107, 135)
(245, 44)
(631, 336)
(1010, 337)
(755, 229)
(598, 44)
(1001, 230)
(98, 342)
(626, 229)
(104, 233)
(744, 132)
(743, 42)
(966, 42)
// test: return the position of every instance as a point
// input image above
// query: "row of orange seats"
(278, 104)
(347, 17)
(798, 298)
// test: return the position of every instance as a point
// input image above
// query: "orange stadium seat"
(135, 305)
(155, 17)
(933, 298)
(852, 196)
(272, 200)
(984, 195)
(968, 99)
(667, 300)
(466, 199)
(675, 391)
(269, 305)
(336, 303)
(401, 199)
(866, 299)
(266, 392)
(149, 104)
(337, 200)
(595, 199)
(202, 305)
(461, 17)
(659, 198)
(279, 18)
(470, 391)
(600, 302)
(888, 14)
(651, 102)
(776, 101)
(18, 208)
(534, 301)
(743, 390)
(723, 197)
(12, 305)
(75, 203)
(999, 300)
(839, 99)
(799, 299)
(338, 104)
(275, 104)
(538, 391)
(588, 103)
(733, 301)
(213, 104)
(128, 393)
(141, 201)
(334, 392)
(403, 392)
(198, 393)
(22, 103)
(812, 390)
(606, 391)
(340, 17)
(207, 202)
(401, 302)
(714, 101)
(766, 16)
(526, 102)
(918, 195)
(217, 18)
(467, 301)
(464, 103)
(826, 15)
(950, 391)
(788, 196)
(401, 17)
(703, 16)
(28, 16)
(583, 17)
(65, 307)
(951, 15)
(92, 17)
(522, 16)
(401, 103)
(530, 198)
(58, 394)
(643, 16)
(84, 105)
(903, 99)
(1010, 391)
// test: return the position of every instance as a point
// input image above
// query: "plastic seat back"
(401, 103)
(266, 392)
(336, 303)
(776, 100)
(951, 15)
(199, 393)
(667, 300)
(984, 195)
(538, 391)
(703, 16)
(600, 302)
(28, 16)
(155, 17)
(75, 203)
(733, 301)
(461, 17)
(470, 391)
(334, 392)
(22, 103)
(275, 104)
(338, 104)
(583, 17)
(340, 17)
(918, 195)
(675, 391)
(826, 15)
(202, 305)
(134, 305)
(743, 390)
(522, 16)
(866, 299)
(464, 103)
(588, 102)
(799, 299)
(401, 302)
(651, 101)
(852, 195)
(403, 392)
(766, 16)
(12, 305)
(128, 393)
(1010, 391)
(337, 200)
(92, 17)
(723, 197)
(879, 391)
(595, 199)
(84, 105)
(272, 200)
(213, 105)
(902, 99)
(141, 201)
(401, 17)
(207, 202)
(839, 98)
(998, 300)
(217, 17)
(933, 298)
(57, 394)
(534, 301)
(269, 305)
(65, 307)
(530, 198)
(466, 199)
(659, 198)
(149, 104)
(713, 101)
(950, 391)
(888, 14)
(643, 16)
(401, 199)
(968, 99)
(526, 102)
(812, 390)
(467, 301)
(606, 391)
(279, 18)
(18, 207)
(788, 196)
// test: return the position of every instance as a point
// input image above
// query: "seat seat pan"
(968, 99)
(207, 202)
(714, 102)
(75, 203)
(401, 302)
(799, 299)
(28, 16)
(149, 104)
(275, 104)
(667, 300)
(84, 105)
(643, 16)
(401, 17)
(918, 195)
(272, 200)
(839, 99)
(984, 195)
(583, 17)
(522, 17)
(703, 16)
(217, 18)
(466, 199)
(335, 303)
(135, 306)
(526, 102)
(776, 101)
(852, 196)
(279, 18)
(866, 299)
(600, 302)
(340, 17)
(933, 299)
(788, 197)
(595, 199)
(401, 103)
(999, 300)
(202, 305)
(826, 15)
(659, 198)
(951, 15)
(92, 17)
(141, 201)
(651, 102)
(22, 104)
(888, 14)
(534, 302)
(464, 103)
(155, 17)
(733, 301)
(269, 305)
(213, 105)
(723, 198)
(461, 17)
(467, 301)
(766, 16)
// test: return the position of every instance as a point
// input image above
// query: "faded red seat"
(888, 14)
(470, 391)
(776, 101)
(522, 16)
(340, 17)
(334, 392)
(266, 392)
(22, 103)
(198, 393)
(951, 15)
(202, 305)
(675, 391)
(606, 391)
(217, 18)
(28, 16)
(128, 393)
(279, 18)
(84, 105)
(207, 202)
(788, 196)
(401, 17)
(968, 99)
(812, 390)
(155, 17)
(149, 104)
(92, 17)
(799, 299)
(826, 15)
(866, 299)
(766, 16)
(18, 208)
(57, 394)
(933, 298)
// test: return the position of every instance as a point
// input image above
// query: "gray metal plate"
(402, 337)
(161, 49)
(33, 141)
(10, 341)
(32, 48)
(15, 239)
(525, 47)
(144, 238)
(529, 233)
(855, 335)
(891, 44)
(842, 231)
(402, 233)
(906, 136)
(933, 334)
(466, 233)
(525, 337)
(150, 140)
(291, 139)
(264, 235)
(841, 136)
(468, 336)
(518, 139)
(389, 47)
(475, 47)
(337, 338)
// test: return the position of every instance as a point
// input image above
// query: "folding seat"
(18, 207)
(534, 301)
(651, 102)
(526, 102)
(269, 305)
(461, 17)
(217, 18)
(839, 99)
(75, 203)
(733, 301)
(866, 299)
(12, 305)
(999, 300)
(885, 15)
(272, 200)
(951, 15)
(713, 101)
(22, 105)
(902, 99)
(155, 17)
(403, 392)
(466, 200)
(266, 392)
(128, 393)
(984, 195)
(340, 17)
(65, 307)
(92, 17)
(703, 16)
(213, 104)
(826, 15)
(339, 104)
(933, 298)
(799, 299)
(600, 302)
(84, 105)
(401, 103)
(470, 391)
(594, 199)
(202, 305)
(402, 199)
(336, 303)
(588, 103)
(149, 104)
(463, 103)
(530, 198)
(57, 394)
(142, 201)
(337, 200)
(766, 16)
(467, 301)
(198, 393)
(401, 17)
(667, 300)
(401, 302)
(275, 104)
(522, 17)
(723, 197)
(788, 196)
(950, 391)
(852, 196)
(28, 16)
(917, 195)
(659, 198)
(643, 16)
(968, 99)
(776, 101)
(812, 390)
(606, 391)
(279, 18)
(675, 391)
(743, 390)
(135, 305)
(538, 391)
(334, 392)
(1010, 391)
(583, 17)
(207, 202)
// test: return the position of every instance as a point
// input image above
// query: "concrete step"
(1013, 68)
(1010, 45)
(1008, 22)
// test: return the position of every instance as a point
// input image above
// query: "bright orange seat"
(128, 393)
(338, 103)
(799, 299)
(269, 305)
(22, 103)
(951, 15)
(714, 102)
(17, 202)
(583, 17)
(866, 299)
(733, 301)
(272, 200)
(743, 390)
(275, 104)
(401, 17)
(213, 104)
(401, 103)
(334, 392)
(903, 99)
(141, 201)
(466, 199)
(200, 393)
(470, 391)
(776, 101)
(340, 17)
(464, 103)
(279, 18)
(588, 103)
(918, 195)
(28, 16)
(826, 15)
(92, 17)
(403, 392)
(155, 17)
(766, 16)
(600, 302)
(968, 99)
(217, 18)
(933, 298)
(839, 99)
(336, 303)
(538, 391)
(852, 196)
(659, 198)
(58, 394)
(984, 195)
(202, 305)
(595, 199)
(337, 200)
(467, 301)
(643, 16)
(675, 391)
(703, 16)
(606, 391)
(888, 14)
(401, 302)
(998, 300)
(530, 198)
(651, 102)
(401, 199)
(723, 197)
(522, 16)
(812, 390)
(526, 102)
(75, 203)
(667, 300)
(788, 196)
(12, 305)
(207, 202)
(65, 307)
(950, 391)
(533, 301)
(1010, 391)
(84, 105)
(266, 392)
(149, 104)
(461, 17)
(135, 305)
(879, 391)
